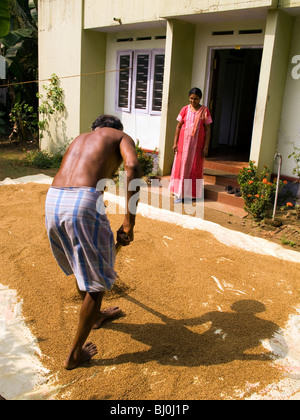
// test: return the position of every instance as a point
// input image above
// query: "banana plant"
(4, 18)
(2, 123)
(20, 44)
(20, 50)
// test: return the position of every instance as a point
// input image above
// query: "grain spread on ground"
(201, 319)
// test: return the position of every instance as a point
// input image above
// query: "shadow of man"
(229, 336)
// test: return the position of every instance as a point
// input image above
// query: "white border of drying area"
(19, 350)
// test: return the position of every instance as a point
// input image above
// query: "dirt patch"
(197, 312)
(286, 234)
(11, 156)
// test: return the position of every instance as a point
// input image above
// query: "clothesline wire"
(64, 77)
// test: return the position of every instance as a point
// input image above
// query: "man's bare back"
(94, 156)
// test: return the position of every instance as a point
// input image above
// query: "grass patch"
(42, 159)
(18, 160)
(285, 241)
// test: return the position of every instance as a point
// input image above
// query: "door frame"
(207, 99)
(210, 64)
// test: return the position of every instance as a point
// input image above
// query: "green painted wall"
(275, 62)
(92, 86)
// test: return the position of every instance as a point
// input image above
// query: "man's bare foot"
(106, 315)
(88, 351)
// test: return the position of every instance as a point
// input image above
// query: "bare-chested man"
(80, 236)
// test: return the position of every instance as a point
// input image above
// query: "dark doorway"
(233, 95)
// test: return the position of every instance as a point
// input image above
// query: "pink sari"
(187, 168)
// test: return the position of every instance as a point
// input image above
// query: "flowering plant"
(258, 190)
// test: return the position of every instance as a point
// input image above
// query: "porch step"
(216, 192)
(216, 180)
(229, 167)
(217, 175)
(221, 179)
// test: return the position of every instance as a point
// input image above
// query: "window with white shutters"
(124, 80)
(157, 84)
(140, 81)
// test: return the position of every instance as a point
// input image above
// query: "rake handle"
(118, 247)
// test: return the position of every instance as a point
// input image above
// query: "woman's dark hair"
(196, 91)
(107, 121)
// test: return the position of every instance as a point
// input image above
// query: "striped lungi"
(80, 237)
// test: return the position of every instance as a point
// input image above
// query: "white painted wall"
(142, 127)
(60, 53)
(101, 13)
(205, 41)
(289, 132)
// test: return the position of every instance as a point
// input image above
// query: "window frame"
(134, 53)
(154, 52)
(117, 96)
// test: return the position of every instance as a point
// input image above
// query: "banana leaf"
(4, 18)
(15, 36)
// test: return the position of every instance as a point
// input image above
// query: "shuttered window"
(124, 80)
(140, 81)
(158, 78)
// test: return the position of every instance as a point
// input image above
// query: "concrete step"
(215, 183)
(221, 180)
(230, 167)
(215, 192)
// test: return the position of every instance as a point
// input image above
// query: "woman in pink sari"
(191, 144)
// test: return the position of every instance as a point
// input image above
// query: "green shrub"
(145, 160)
(258, 190)
(25, 119)
(42, 159)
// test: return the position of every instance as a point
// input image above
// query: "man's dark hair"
(107, 121)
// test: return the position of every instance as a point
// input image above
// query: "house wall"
(101, 14)
(289, 130)
(60, 25)
(192, 62)
(188, 50)
(205, 41)
(288, 3)
(92, 88)
(70, 51)
(271, 88)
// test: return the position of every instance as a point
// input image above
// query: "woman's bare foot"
(88, 351)
(107, 314)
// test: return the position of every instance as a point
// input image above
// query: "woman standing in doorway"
(191, 142)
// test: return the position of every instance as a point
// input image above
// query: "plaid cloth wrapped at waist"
(80, 237)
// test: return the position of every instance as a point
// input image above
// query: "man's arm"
(133, 171)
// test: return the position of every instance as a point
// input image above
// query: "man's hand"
(124, 237)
